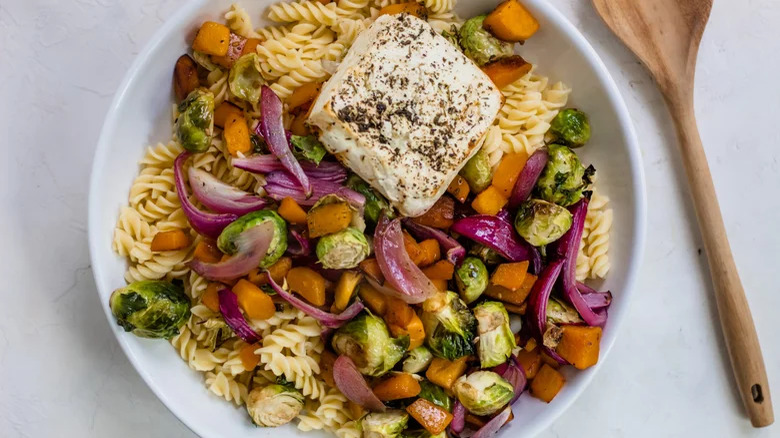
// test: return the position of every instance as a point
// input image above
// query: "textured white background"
(62, 372)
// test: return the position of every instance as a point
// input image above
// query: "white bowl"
(140, 115)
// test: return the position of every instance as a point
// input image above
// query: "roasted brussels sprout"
(559, 312)
(435, 394)
(449, 326)
(195, 123)
(214, 331)
(367, 342)
(150, 309)
(571, 127)
(274, 405)
(479, 45)
(451, 35)
(418, 360)
(308, 148)
(564, 178)
(496, 339)
(487, 255)
(472, 279)
(227, 239)
(389, 424)
(483, 392)
(478, 172)
(343, 250)
(375, 202)
(245, 80)
(204, 60)
(541, 222)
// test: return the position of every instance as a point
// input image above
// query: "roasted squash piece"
(459, 189)
(303, 96)
(248, 357)
(170, 240)
(345, 288)
(579, 345)
(256, 303)
(290, 211)
(431, 417)
(397, 387)
(430, 252)
(547, 383)
(511, 21)
(441, 215)
(507, 172)
(212, 39)
(441, 270)
(370, 267)
(328, 219)
(531, 361)
(236, 135)
(373, 299)
(412, 8)
(226, 111)
(207, 251)
(444, 373)
(490, 201)
(307, 283)
(506, 71)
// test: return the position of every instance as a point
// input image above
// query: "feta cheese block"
(405, 111)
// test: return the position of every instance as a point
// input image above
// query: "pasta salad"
(371, 220)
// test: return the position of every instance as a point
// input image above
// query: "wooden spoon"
(665, 35)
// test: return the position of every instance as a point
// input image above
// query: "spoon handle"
(735, 319)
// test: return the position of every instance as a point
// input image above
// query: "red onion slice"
(252, 245)
(281, 185)
(458, 422)
(528, 176)
(326, 170)
(514, 374)
(207, 224)
(327, 319)
(298, 245)
(354, 386)
(567, 248)
(455, 251)
(540, 294)
(499, 235)
(222, 197)
(491, 427)
(272, 129)
(228, 307)
(400, 272)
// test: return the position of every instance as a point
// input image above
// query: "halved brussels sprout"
(204, 60)
(541, 222)
(478, 172)
(479, 45)
(472, 279)
(564, 178)
(496, 339)
(245, 80)
(435, 394)
(367, 342)
(483, 392)
(308, 148)
(449, 326)
(227, 239)
(389, 424)
(559, 312)
(343, 250)
(214, 331)
(195, 124)
(150, 309)
(571, 127)
(274, 405)
(418, 360)
(487, 255)
(375, 202)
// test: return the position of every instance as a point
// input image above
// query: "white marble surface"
(63, 374)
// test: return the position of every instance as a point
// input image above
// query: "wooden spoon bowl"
(665, 35)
